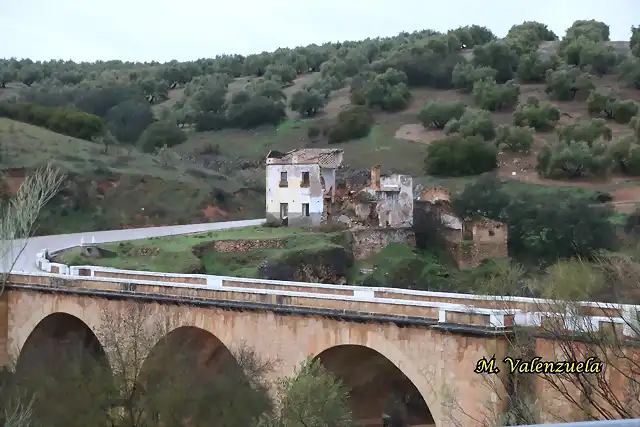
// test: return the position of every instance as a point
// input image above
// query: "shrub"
(535, 31)
(159, 134)
(596, 57)
(585, 130)
(567, 83)
(282, 72)
(629, 71)
(66, 121)
(466, 75)
(210, 121)
(127, 120)
(604, 104)
(313, 132)
(436, 114)
(491, 96)
(257, 111)
(307, 102)
(542, 116)
(458, 155)
(593, 30)
(574, 159)
(634, 41)
(514, 138)
(498, 55)
(422, 68)
(625, 154)
(473, 123)
(634, 124)
(354, 123)
(388, 91)
(533, 67)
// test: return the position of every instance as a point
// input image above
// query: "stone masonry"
(366, 242)
(244, 245)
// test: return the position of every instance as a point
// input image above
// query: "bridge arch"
(63, 361)
(204, 377)
(382, 380)
(56, 336)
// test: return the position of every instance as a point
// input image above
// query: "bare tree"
(612, 341)
(148, 371)
(20, 213)
(19, 416)
(18, 219)
(567, 333)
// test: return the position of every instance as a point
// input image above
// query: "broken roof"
(487, 223)
(327, 157)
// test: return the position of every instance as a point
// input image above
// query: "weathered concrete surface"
(26, 258)
(437, 364)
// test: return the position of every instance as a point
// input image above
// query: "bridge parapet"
(442, 307)
(436, 313)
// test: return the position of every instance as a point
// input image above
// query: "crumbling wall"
(486, 230)
(471, 253)
(434, 195)
(395, 208)
(366, 242)
(243, 245)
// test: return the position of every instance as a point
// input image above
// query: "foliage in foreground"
(611, 395)
(153, 374)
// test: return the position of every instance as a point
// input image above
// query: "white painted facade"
(295, 194)
(298, 183)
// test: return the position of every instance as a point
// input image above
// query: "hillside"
(122, 187)
(198, 131)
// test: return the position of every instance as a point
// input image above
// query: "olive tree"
(311, 397)
(542, 116)
(436, 114)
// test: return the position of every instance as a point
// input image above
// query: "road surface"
(26, 259)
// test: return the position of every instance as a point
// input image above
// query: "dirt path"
(417, 133)
(625, 199)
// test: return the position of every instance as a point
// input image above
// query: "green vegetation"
(156, 144)
(138, 188)
(184, 142)
(196, 254)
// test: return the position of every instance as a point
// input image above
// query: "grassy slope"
(179, 193)
(176, 254)
(383, 146)
(141, 189)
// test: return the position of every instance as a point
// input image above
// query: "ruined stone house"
(387, 202)
(470, 242)
(300, 185)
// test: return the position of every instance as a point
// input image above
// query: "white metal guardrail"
(628, 316)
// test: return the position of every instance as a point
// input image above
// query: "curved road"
(26, 259)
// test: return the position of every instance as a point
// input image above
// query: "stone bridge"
(423, 346)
